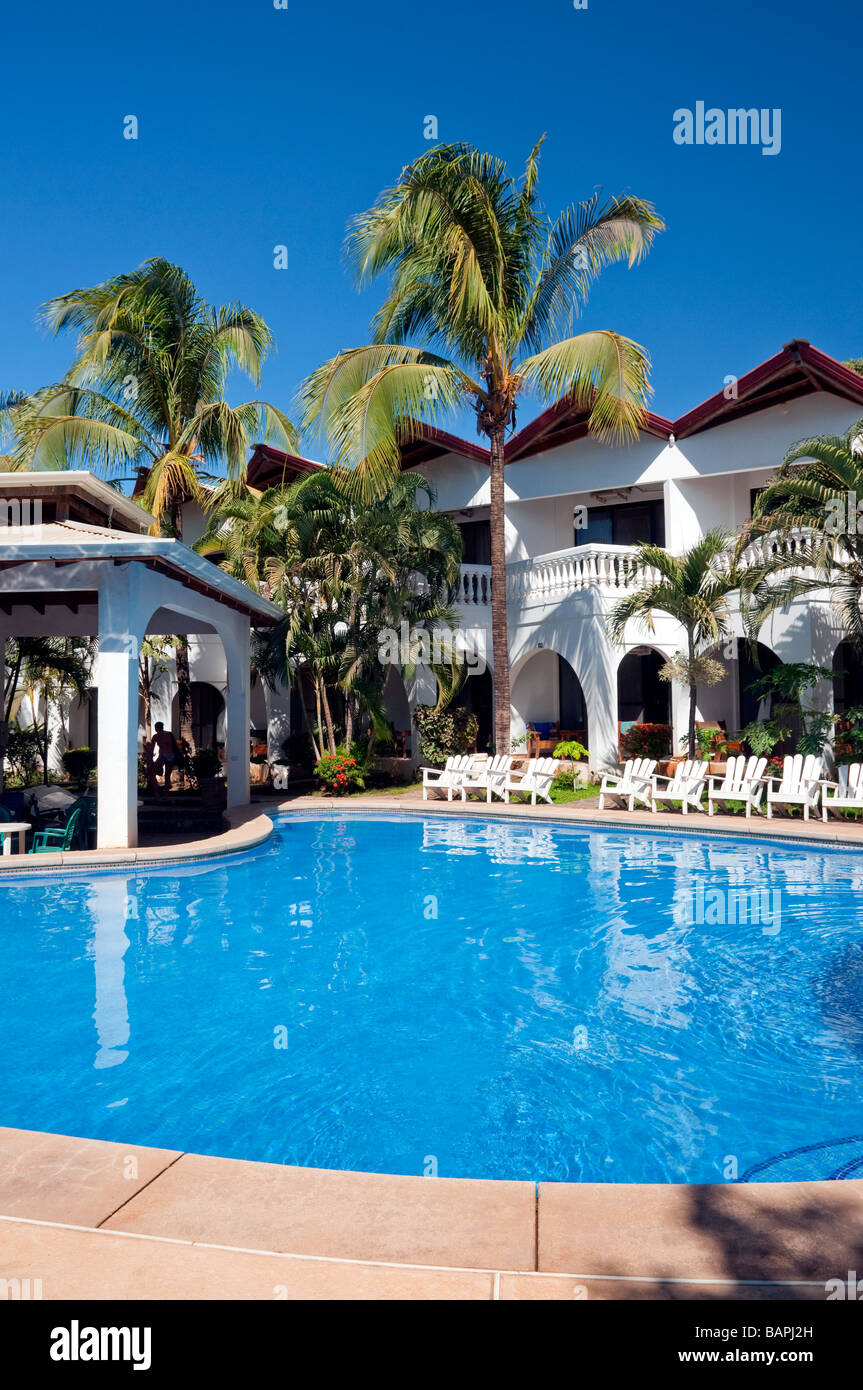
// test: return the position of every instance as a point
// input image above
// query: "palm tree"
(693, 588)
(49, 668)
(147, 392)
(344, 571)
(811, 531)
(480, 273)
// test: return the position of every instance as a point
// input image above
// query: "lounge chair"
(535, 781)
(687, 786)
(56, 837)
(446, 779)
(848, 790)
(742, 782)
(489, 779)
(634, 783)
(799, 785)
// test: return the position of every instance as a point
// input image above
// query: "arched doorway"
(642, 698)
(751, 667)
(208, 714)
(547, 693)
(847, 677)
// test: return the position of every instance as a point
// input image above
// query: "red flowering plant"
(339, 773)
(646, 741)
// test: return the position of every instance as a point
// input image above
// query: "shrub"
(205, 763)
(444, 733)
(709, 743)
(646, 741)
(339, 773)
(24, 752)
(79, 763)
(571, 749)
(297, 748)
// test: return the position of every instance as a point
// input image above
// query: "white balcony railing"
(609, 568)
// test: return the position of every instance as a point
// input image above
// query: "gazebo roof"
(76, 495)
(64, 543)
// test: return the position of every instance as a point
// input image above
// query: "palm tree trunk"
(328, 719)
(499, 632)
(146, 695)
(45, 740)
(693, 699)
(349, 722)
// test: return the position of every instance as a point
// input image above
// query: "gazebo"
(76, 561)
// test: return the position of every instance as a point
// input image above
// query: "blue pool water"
(475, 998)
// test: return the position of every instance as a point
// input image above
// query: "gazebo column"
(235, 639)
(117, 684)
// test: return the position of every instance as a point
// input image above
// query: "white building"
(679, 479)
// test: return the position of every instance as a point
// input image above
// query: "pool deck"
(96, 1220)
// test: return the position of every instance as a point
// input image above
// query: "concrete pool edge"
(97, 1219)
(248, 827)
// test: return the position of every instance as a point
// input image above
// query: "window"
(476, 540)
(624, 525)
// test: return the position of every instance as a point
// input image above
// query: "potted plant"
(207, 769)
(573, 753)
(710, 745)
(649, 741)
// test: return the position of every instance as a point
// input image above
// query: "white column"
(599, 687)
(235, 639)
(117, 684)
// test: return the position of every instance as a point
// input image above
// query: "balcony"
(608, 569)
(560, 572)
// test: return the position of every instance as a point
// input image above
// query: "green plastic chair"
(56, 837)
(5, 814)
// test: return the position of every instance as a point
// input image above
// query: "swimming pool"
(470, 997)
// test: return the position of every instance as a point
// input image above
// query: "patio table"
(8, 828)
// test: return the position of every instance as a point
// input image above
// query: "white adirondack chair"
(535, 780)
(848, 789)
(635, 783)
(742, 782)
(448, 778)
(799, 785)
(489, 779)
(687, 785)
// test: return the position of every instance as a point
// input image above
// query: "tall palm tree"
(480, 274)
(692, 588)
(147, 392)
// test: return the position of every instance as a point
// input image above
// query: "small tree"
(693, 588)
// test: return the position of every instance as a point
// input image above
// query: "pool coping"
(248, 827)
(71, 1217)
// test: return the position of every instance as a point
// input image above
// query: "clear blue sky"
(261, 126)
